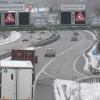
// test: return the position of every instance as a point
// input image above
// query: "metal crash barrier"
(51, 39)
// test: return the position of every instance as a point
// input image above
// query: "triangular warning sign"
(9, 18)
(80, 17)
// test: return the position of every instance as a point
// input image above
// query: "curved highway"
(63, 66)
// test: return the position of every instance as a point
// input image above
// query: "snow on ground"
(90, 91)
(14, 37)
(95, 58)
(71, 90)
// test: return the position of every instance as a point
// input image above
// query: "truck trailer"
(24, 54)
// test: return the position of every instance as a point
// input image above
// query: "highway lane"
(62, 65)
(63, 44)
(59, 46)
(80, 60)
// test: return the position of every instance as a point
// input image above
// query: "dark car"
(42, 32)
(40, 38)
(74, 38)
(75, 33)
(50, 52)
(25, 40)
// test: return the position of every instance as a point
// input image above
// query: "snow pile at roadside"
(13, 37)
(90, 91)
(95, 58)
(71, 90)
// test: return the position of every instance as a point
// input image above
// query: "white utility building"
(16, 80)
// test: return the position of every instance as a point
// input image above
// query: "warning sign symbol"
(80, 17)
(9, 18)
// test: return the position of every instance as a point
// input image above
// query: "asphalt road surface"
(63, 66)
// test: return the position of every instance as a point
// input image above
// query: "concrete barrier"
(46, 41)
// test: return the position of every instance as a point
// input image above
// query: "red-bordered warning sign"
(9, 18)
(80, 17)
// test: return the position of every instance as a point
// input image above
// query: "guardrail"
(91, 69)
(86, 51)
(94, 71)
(52, 27)
(46, 41)
(90, 47)
(90, 79)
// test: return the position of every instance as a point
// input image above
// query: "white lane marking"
(91, 33)
(66, 50)
(74, 61)
(38, 47)
(61, 53)
(33, 47)
(36, 78)
(86, 64)
(49, 75)
(74, 68)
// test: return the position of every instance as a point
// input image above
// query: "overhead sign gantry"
(73, 14)
(12, 7)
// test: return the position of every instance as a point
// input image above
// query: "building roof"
(13, 64)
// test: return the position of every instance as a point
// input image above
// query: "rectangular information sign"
(65, 17)
(24, 18)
